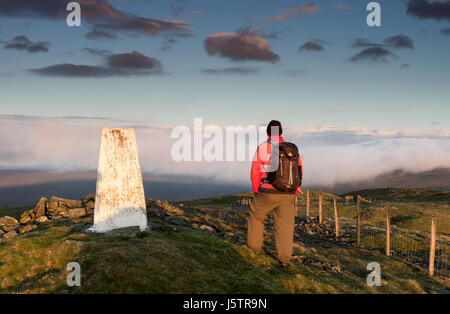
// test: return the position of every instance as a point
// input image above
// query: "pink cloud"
(240, 46)
(310, 8)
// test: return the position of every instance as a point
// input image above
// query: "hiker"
(276, 177)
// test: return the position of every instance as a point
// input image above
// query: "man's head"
(274, 128)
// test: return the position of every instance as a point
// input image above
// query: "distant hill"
(26, 187)
(437, 179)
(408, 195)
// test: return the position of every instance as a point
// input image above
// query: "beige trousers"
(284, 219)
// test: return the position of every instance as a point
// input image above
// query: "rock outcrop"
(171, 209)
(10, 235)
(59, 207)
(8, 224)
(8, 221)
(44, 211)
(27, 228)
(76, 212)
(39, 211)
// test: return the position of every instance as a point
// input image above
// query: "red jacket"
(261, 161)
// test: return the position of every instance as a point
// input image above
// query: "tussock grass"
(186, 261)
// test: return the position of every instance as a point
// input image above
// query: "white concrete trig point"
(120, 198)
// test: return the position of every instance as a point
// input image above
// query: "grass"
(178, 259)
(185, 261)
(410, 195)
(224, 200)
(405, 213)
(13, 211)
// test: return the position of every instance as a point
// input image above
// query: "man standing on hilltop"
(276, 177)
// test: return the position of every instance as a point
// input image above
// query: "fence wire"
(410, 246)
(441, 264)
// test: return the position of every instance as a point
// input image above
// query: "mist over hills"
(437, 179)
(25, 187)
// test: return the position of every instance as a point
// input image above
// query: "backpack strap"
(266, 179)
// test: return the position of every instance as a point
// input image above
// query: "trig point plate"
(120, 198)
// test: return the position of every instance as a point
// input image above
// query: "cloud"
(270, 34)
(365, 161)
(232, 70)
(330, 154)
(364, 43)
(64, 119)
(396, 42)
(98, 52)
(240, 46)
(311, 46)
(124, 64)
(374, 55)
(310, 8)
(340, 6)
(399, 42)
(145, 26)
(23, 43)
(319, 41)
(134, 60)
(74, 70)
(423, 9)
(377, 52)
(445, 31)
(96, 34)
(100, 12)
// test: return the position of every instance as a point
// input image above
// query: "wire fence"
(241, 203)
(442, 259)
(412, 247)
(415, 247)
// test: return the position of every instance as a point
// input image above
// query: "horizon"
(24, 187)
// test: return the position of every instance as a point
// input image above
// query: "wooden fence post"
(388, 229)
(336, 217)
(358, 222)
(320, 207)
(307, 203)
(432, 244)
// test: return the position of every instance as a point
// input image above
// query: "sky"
(317, 66)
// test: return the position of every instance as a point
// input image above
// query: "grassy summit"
(195, 248)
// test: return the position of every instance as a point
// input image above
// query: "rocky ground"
(223, 222)
(320, 259)
(231, 223)
(45, 212)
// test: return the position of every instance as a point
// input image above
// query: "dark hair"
(276, 126)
